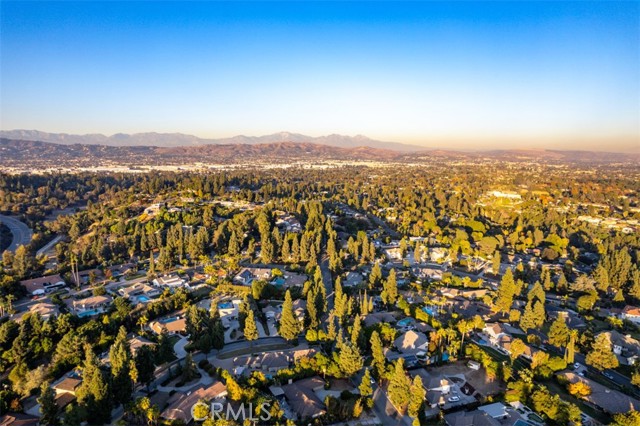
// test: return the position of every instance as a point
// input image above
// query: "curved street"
(20, 231)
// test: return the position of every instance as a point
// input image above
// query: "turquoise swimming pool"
(88, 313)
(405, 322)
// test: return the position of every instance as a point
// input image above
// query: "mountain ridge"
(183, 139)
(33, 154)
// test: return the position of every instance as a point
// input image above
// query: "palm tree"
(464, 327)
(142, 321)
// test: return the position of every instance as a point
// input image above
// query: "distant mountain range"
(180, 139)
(37, 154)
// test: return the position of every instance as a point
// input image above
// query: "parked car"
(454, 399)
(607, 375)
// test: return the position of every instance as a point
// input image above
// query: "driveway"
(20, 231)
(178, 348)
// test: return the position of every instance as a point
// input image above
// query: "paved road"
(20, 231)
(49, 246)
(384, 225)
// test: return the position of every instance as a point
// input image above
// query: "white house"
(171, 281)
(631, 313)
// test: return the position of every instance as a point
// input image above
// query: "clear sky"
(450, 74)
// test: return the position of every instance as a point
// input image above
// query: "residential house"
(469, 308)
(609, 400)
(118, 271)
(180, 404)
(299, 309)
(393, 254)
(470, 418)
(290, 279)
(67, 384)
(352, 279)
(431, 271)
(466, 293)
(495, 332)
(136, 342)
(171, 281)
(436, 386)
(272, 312)
(247, 275)
(90, 275)
(288, 223)
(497, 410)
(379, 317)
(139, 292)
(229, 308)
(573, 320)
(172, 325)
(301, 397)
(90, 306)
(46, 310)
(631, 313)
(19, 419)
(437, 254)
(412, 342)
(626, 348)
(268, 362)
(42, 285)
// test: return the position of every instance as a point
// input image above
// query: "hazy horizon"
(555, 75)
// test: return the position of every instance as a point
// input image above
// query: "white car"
(454, 399)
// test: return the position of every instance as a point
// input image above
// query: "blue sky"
(451, 74)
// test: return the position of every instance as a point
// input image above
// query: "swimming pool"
(143, 299)
(88, 313)
(429, 311)
(168, 320)
(225, 305)
(278, 282)
(405, 322)
(521, 422)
